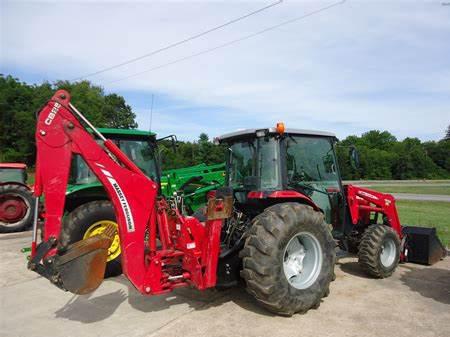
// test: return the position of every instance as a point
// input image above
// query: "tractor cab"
(139, 146)
(273, 165)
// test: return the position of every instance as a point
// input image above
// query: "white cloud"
(355, 67)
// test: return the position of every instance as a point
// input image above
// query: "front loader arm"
(60, 135)
(363, 201)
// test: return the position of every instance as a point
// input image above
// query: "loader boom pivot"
(161, 249)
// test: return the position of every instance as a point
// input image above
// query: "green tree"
(118, 114)
(375, 139)
(20, 101)
(382, 156)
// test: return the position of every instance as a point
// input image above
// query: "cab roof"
(126, 132)
(13, 165)
(252, 132)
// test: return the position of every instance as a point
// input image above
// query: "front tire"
(90, 219)
(282, 276)
(379, 251)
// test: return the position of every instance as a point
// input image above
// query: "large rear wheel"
(88, 220)
(288, 258)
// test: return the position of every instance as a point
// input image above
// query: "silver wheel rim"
(388, 252)
(302, 260)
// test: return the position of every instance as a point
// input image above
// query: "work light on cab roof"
(278, 129)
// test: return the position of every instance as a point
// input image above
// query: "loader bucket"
(81, 268)
(423, 244)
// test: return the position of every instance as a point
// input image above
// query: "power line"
(229, 43)
(179, 42)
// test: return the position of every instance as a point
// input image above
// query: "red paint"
(188, 253)
(210, 194)
(13, 165)
(12, 208)
(256, 195)
(288, 194)
(363, 201)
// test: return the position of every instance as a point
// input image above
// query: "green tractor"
(88, 210)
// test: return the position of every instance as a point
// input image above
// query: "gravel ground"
(415, 301)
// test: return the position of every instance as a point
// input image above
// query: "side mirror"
(354, 157)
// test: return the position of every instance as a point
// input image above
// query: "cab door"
(311, 168)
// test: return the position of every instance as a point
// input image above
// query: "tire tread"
(368, 251)
(261, 270)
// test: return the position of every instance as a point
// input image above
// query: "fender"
(283, 194)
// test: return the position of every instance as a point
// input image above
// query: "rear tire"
(24, 196)
(266, 257)
(379, 251)
(78, 222)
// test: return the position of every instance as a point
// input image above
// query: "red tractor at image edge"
(276, 224)
(16, 198)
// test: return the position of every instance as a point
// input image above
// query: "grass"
(426, 189)
(426, 214)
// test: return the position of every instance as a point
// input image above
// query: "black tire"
(22, 192)
(264, 252)
(81, 218)
(371, 247)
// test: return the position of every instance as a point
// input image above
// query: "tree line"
(381, 155)
(20, 101)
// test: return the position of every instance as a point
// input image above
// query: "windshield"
(141, 152)
(254, 164)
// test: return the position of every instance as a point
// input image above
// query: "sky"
(355, 67)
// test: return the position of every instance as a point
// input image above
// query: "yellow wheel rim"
(98, 228)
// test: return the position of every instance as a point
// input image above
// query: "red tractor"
(276, 223)
(16, 198)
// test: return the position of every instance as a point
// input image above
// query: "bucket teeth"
(81, 268)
